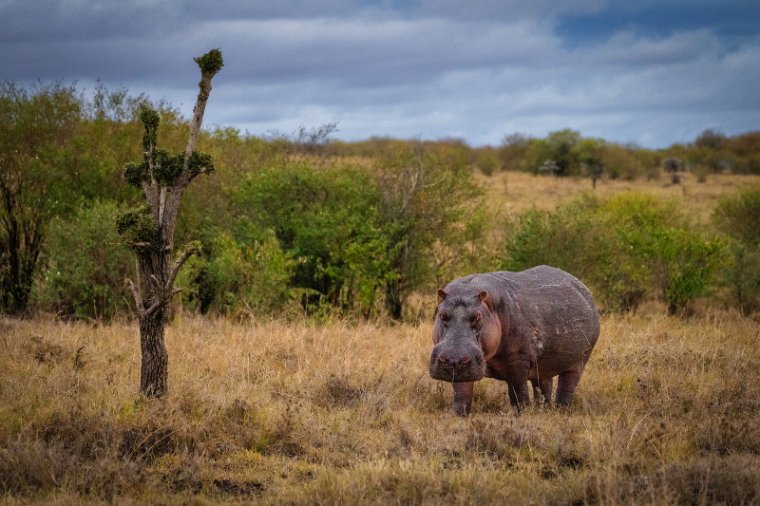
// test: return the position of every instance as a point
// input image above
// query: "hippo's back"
(550, 284)
(550, 302)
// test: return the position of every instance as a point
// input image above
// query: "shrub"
(558, 238)
(658, 246)
(428, 204)
(239, 279)
(513, 151)
(327, 221)
(627, 163)
(738, 216)
(86, 265)
(487, 161)
(577, 238)
(684, 264)
(623, 247)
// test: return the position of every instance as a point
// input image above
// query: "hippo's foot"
(462, 398)
(461, 408)
(568, 380)
(542, 392)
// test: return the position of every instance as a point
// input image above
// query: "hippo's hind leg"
(542, 391)
(566, 384)
(462, 398)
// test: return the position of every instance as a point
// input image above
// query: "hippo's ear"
(441, 295)
(486, 299)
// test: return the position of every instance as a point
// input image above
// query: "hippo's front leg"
(462, 398)
(517, 381)
(518, 393)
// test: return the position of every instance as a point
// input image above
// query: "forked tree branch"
(162, 299)
(178, 265)
(138, 298)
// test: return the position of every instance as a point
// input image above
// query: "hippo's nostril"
(465, 359)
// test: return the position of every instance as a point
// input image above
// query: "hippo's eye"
(443, 316)
(476, 319)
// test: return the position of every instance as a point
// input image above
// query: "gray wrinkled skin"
(515, 327)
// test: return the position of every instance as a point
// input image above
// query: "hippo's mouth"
(473, 371)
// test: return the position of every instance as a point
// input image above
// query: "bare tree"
(163, 179)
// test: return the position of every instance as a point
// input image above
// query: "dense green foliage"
(357, 240)
(36, 179)
(739, 217)
(57, 152)
(211, 62)
(299, 223)
(86, 265)
(328, 222)
(623, 247)
(238, 279)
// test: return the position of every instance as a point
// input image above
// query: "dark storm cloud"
(416, 68)
(734, 21)
(56, 20)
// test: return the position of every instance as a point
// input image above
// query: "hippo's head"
(466, 333)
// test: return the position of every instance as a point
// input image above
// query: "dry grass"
(343, 413)
(513, 192)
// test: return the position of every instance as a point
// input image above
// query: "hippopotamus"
(514, 326)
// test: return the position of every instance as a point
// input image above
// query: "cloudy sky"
(651, 72)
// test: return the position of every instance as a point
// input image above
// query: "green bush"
(743, 278)
(238, 279)
(86, 265)
(487, 161)
(577, 237)
(659, 249)
(738, 216)
(429, 205)
(560, 238)
(327, 221)
(684, 265)
(624, 248)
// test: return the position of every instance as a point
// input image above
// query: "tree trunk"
(21, 248)
(154, 370)
(393, 302)
(154, 271)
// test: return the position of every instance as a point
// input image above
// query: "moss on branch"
(167, 168)
(200, 163)
(150, 120)
(135, 173)
(137, 227)
(210, 63)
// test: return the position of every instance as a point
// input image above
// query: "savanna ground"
(514, 192)
(303, 412)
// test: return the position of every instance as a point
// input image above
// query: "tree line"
(298, 223)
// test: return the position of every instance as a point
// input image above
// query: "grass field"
(345, 413)
(342, 412)
(513, 192)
